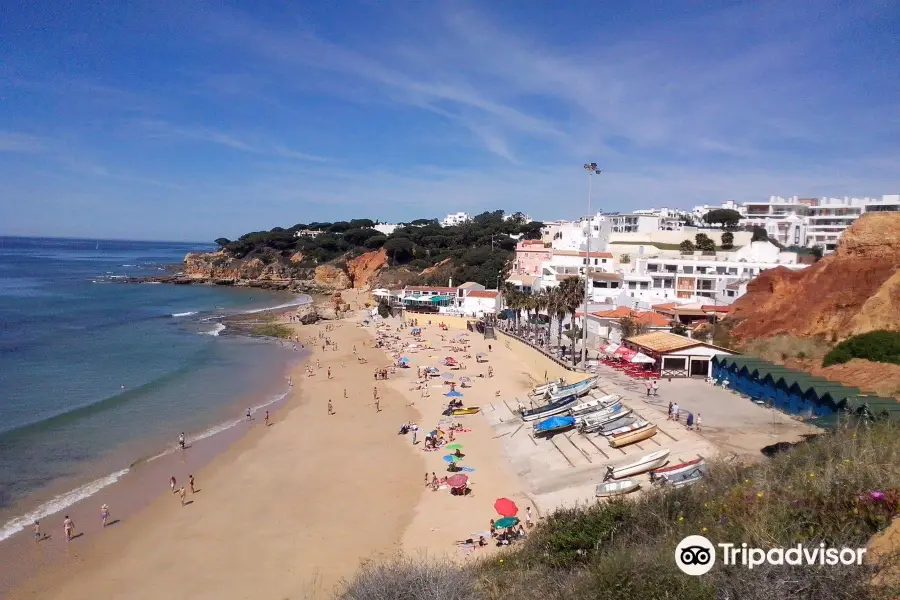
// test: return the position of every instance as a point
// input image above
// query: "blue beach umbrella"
(453, 394)
(404, 360)
(506, 522)
(451, 459)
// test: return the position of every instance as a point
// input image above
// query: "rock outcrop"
(853, 291)
(363, 269)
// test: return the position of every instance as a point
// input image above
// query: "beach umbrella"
(454, 447)
(404, 360)
(481, 356)
(458, 480)
(433, 433)
(447, 376)
(451, 459)
(454, 394)
(506, 507)
(506, 522)
(465, 379)
(640, 357)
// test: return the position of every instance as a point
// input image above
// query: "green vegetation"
(838, 489)
(759, 235)
(780, 348)
(727, 240)
(723, 216)
(877, 346)
(480, 250)
(687, 246)
(275, 330)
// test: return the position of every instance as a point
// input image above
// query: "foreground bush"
(838, 489)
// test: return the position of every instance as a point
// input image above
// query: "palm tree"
(514, 300)
(559, 309)
(528, 304)
(542, 303)
(572, 289)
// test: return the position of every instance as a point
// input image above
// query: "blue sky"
(165, 121)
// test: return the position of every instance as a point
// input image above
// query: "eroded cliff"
(854, 290)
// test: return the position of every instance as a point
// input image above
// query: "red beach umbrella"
(457, 481)
(506, 507)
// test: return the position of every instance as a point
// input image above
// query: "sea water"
(97, 376)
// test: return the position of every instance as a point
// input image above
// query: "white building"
(573, 235)
(385, 228)
(698, 212)
(456, 219)
(647, 220)
(481, 302)
(694, 276)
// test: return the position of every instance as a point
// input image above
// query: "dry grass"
(783, 347)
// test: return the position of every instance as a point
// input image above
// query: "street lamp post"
(592, 170)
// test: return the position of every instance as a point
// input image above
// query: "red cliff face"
(854, 290)
(363, 269)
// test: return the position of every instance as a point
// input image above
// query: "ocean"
(98, 376)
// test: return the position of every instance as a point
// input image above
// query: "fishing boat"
(465, 411)
(633, 426)
(595, 404)
(577, 389)
(677, 468)
(616, 488)
(621, 421)
(554, 425)
(683, 478)
(540, 390)
(646, 463)
(548, 410)
(593, 423)
(600, 412)
(631, 437)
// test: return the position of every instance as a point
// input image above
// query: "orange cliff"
(854, 290)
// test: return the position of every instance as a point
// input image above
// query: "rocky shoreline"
(284, 285)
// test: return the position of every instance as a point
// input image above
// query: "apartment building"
(456, 219)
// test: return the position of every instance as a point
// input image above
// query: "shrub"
(403, 578)
(877, 346)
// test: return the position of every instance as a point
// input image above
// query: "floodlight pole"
(592, 170)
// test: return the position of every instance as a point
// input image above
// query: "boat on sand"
(616, 488)
(465, 411)
(633, 426)
(631, 437)
(676, 468)
(595, 404)
(548, 410)
(594, 422)
(651, 461)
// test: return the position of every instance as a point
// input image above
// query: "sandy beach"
(291, 509)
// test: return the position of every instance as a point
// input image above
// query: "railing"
(552, 357)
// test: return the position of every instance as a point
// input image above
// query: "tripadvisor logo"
(696, 555)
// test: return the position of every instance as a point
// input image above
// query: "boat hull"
(599, 410)
(638, 435)
(634, 426)
(619, 422)
(596, 404)
(549, 410)
(595, 423)
(646, 463)
(465, 411)
(577, 389)
(616, 488)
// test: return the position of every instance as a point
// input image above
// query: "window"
(603, 260)
(688, 269)
(645, 285)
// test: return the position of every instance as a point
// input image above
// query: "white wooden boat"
(619, 422)
(637, 424)
(591, 423)
(616, 488)
(577, 389)
(646, 463)
(595, 404)
(631, 437)
(683, 478)
(540, 390)
(618, 407)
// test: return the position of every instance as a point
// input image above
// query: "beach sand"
(292, 509)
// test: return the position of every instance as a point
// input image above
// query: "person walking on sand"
(181, 440)
(647, 385)
(675, 411)
(68, 527)
(528, 516)
(183, 495)
(330, 407)
(690, 421)
(415, 430)
(656, 387)
(104, 514)
(249, 415)
(698, 421)
(345, 392)
(267, 418)
(669, 416)
(172, 483)
(329, 372)
(37, 524)
(191, 482)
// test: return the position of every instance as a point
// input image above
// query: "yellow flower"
(501, 561)
(680, 519)
(703, 530)
(759, 494)
(746, 481)
(812, 474)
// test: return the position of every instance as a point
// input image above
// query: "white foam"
(184, 314)
(58, 503)
(218, 329)
(299, 301)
